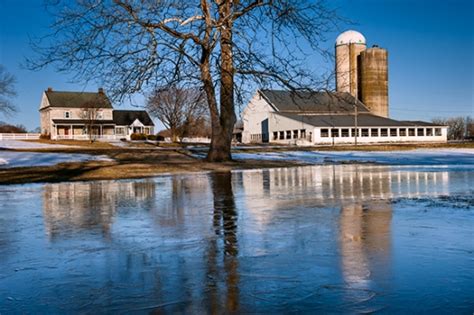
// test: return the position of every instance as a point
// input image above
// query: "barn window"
(365, 132)
(345, 132)
(420, 132)
(393, 132)
(334, 133)
(324, 133)
(384, 132)
(374, 132)
(403, 132)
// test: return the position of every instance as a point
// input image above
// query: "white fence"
(19, 136)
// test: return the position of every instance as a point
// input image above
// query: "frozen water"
(10, 159)
(312, 239)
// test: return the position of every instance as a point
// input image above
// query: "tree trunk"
(223, 124)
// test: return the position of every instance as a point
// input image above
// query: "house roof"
(363, 120)
(83, 121)
(313, 102)
(127, 117)
(78, 99)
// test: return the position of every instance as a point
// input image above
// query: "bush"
(45, 136)
(138, 136)
(151, 137)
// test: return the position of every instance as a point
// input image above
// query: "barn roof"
(363, 120)
(313, 102)
(127, 117)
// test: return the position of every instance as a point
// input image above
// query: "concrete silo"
(373, 80)
(348, 47)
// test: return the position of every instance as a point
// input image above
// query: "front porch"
(83, 132)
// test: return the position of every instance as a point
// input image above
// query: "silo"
(373, 80)
(348, 47)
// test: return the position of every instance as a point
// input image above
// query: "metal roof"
(313, 102)
(363, 120)
(78, 99)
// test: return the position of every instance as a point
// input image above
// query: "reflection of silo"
(348, 46)
(373, 80)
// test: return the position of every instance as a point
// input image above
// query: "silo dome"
(350, 37)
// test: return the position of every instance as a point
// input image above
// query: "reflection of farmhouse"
(76, 115)
(357, 110)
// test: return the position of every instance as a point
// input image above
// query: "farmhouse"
(357, 112)
(79, 115)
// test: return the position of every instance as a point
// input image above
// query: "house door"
(66, 131)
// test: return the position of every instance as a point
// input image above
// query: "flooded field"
(336, 238)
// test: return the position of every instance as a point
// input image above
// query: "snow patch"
(413, 157)
(9, 159)
(18, 144)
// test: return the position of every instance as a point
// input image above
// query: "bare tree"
(456, 126)
(225, 46)
(178, 108)
(90, 115)
(7, 91)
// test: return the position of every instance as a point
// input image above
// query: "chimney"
(50, 89)
(101, 90)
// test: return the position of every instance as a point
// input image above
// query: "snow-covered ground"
(10, 159)
(412, 157)
(18, 144)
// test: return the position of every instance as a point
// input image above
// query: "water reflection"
(319, 238)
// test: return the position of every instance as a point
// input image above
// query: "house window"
(303, 133)
(384, 132)
(324, 133)
(147, 130)
(275, 135)
(365, 132)
(421, 132)
(120, 131)
(437, 131)
(403, 132)
(374, 132)
(345, 133)
(288, 134)
(295, 134)
(282, 135)
(334, 133)
(429, 132)
(353, 130)
(411, 132)
(99, 115)
(67, 114)
(393, 132)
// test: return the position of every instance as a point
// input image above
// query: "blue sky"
(430, 45)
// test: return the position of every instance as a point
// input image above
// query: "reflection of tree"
(225, 227)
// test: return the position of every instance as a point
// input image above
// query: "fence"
(19, 136)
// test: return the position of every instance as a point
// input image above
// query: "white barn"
(307, 118)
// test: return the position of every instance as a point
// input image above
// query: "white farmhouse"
(274, 116)
(76, 115)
